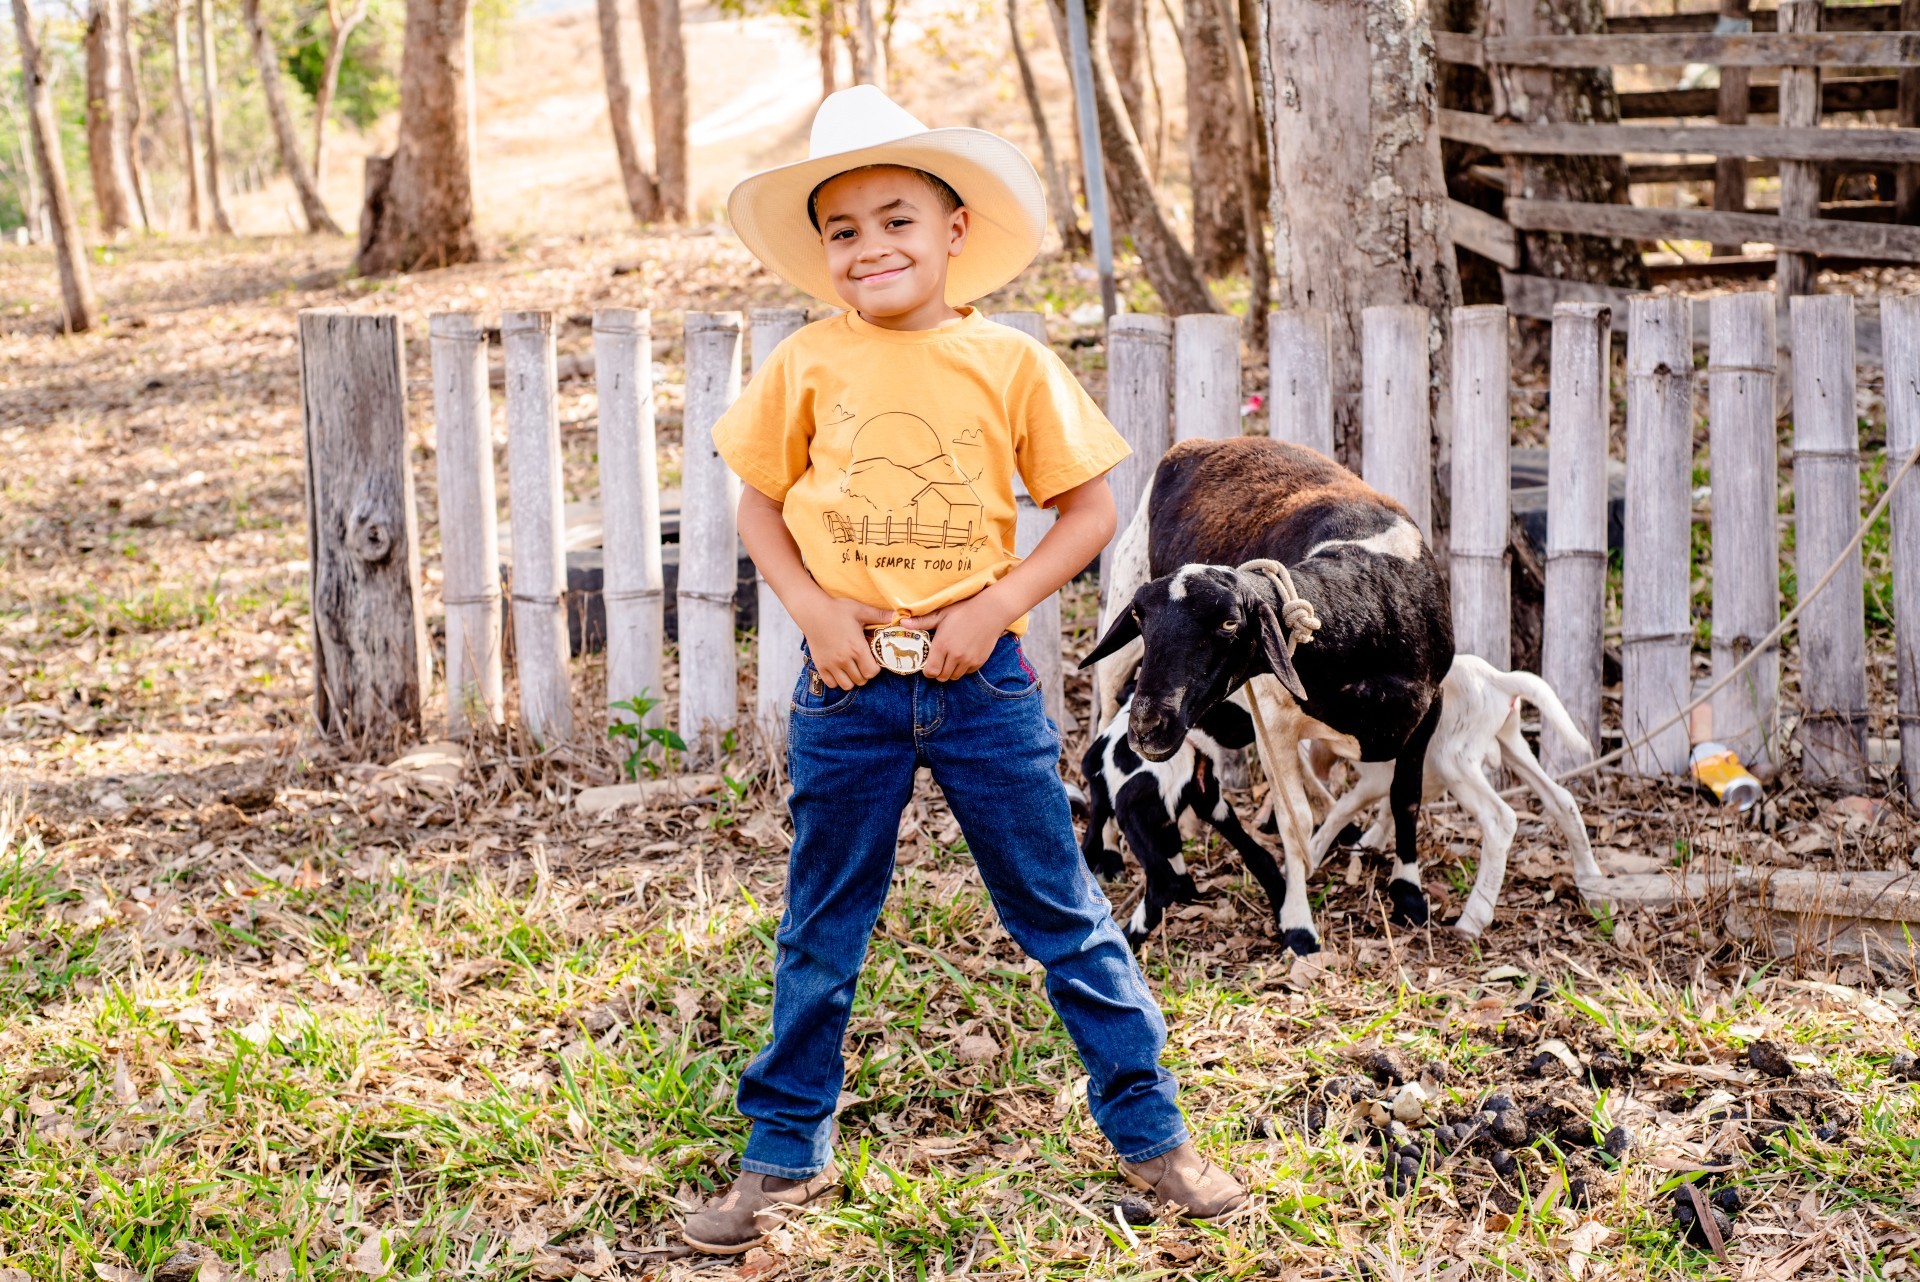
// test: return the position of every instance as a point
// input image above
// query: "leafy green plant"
(654, 748)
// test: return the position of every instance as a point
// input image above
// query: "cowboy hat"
(862, 126)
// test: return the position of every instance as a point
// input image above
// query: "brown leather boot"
(740, 1219)
(1186, 1182)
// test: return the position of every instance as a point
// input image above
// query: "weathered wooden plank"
(370, 657)
(1825, 237)
(1481, 535)
(1839, 17)
(1900, 331)
(1490, 237)
(1746, 542)
(1826, 508)
(1300, 379)
(1139, 387)
(709, 494)
(1906, 188)
(1841, 93)
(778, 649)
(1870, 143)
(1672, 49)
(634, 588)
(1574, 613)
(1462, 47)
(469, 521)
(1799, 178)
(1656, 630)
(1730, 172)
(1396, 443)
(1206, 376)
(536, 502)
(1042, 642)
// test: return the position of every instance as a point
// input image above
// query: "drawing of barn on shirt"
(905, 485)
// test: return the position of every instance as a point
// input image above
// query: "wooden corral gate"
(1874, 48)
(1167, 380)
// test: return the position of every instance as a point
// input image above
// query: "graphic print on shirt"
(905, 486)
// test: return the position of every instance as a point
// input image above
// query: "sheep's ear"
(1124, 629)
(1273, 638)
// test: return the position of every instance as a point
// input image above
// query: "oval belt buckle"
(901, 650)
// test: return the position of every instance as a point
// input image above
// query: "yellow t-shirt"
(893, 453)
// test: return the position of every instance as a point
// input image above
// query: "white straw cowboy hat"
(862, 126)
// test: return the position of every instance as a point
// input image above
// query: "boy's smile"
(888, 238)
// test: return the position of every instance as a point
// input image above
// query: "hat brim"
(1006, 204)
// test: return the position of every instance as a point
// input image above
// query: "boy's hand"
(963, 635)
(836, 632)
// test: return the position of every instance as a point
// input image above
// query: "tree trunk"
(134, 119)
(667, 94)
(1217, 159)
(863, 43)
(887, 20)
(342, 28)
(829, 22)
(1072, 239)
(210, 107)
(1248, 13)
(189, 130)
(76, 290)
(1168, 266)
(1250, 152)
(422, 215)
(318, 219)
(1543, 96)
(1359, 203)
(1126, 45)
(106, 109)
(643, 197)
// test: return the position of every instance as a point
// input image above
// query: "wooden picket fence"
(1167, 380)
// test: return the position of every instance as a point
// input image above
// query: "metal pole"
(1096, 175)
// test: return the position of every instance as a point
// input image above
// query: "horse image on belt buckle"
(901, 650)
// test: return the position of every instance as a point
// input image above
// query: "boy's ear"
(957, 224)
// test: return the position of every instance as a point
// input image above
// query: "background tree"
(1127, 46)
(667, 96)
(419, 201)
(827, 34)
(189, 130)
(76, 289)
(210, 107)
(340, 26)
(1072, 239)
(643, 192)
(134, 119)
(106, 106)
(268, 60)
(1216, 152)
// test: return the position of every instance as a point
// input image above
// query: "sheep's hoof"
(1471, 930)
(1409, 904)
(1110, 867)
(1184, 890)
(1350, 835)
(1304, 942)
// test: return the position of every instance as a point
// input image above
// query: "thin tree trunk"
(1169, 267)
(1248, 12)
(1157, 148)
(315, 209)
(135, 119)
(1126, 46)
(866, 46)
(1246, 138)
(887, 20)
(189, 129)
(1072, 239)
(342, 28)
(1359, 203)
(106, 131)
(829, 22)
(210, 106)
(643, 197)
(419, 210)
(1218, 160)
(667, 93)
(76, 289)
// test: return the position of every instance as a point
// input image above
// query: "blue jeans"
(987, 740)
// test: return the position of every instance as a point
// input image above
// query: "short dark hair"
(942, 189)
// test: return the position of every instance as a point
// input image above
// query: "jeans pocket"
(1006, 674)
(813, 697)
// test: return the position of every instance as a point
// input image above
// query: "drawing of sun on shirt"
(905, 486)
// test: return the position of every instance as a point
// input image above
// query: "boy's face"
(888, 238)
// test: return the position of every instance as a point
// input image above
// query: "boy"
(879, 448)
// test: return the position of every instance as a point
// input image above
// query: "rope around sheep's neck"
(1296, 612)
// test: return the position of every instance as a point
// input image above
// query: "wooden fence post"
(709, 564)
(778, 645)
(1906, 179)
(370, 658)
(1656, 624)
(1300, 379)
(1826, 508)
(632, 586)
(536, 503)
(1746, 542)
(1206, 376)
(1799, 179)
(1730, 172)
(1574, 612)
(469, 521)
(1042, 642)
(1139, 375)
(1482, 519)
(1900, 337)
(1396, 419)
